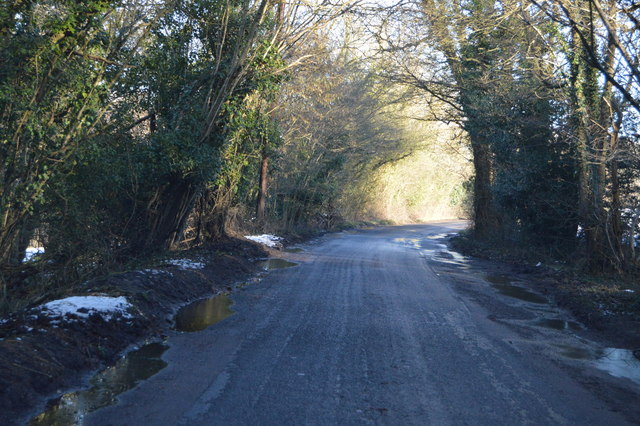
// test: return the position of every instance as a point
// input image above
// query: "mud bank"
(43, 355)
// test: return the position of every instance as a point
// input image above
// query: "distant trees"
(332, 127)
(338, 130)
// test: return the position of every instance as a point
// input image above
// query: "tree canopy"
(135, 127)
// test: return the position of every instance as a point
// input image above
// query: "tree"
(59, 62)
(603, 81)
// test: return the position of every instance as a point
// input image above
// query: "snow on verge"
(185, 264)
(156, 272)
(84, 306)
(31, 252)
(266, 239)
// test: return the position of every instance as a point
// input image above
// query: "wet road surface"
(365, 330)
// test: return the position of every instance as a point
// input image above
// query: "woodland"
(133, 127)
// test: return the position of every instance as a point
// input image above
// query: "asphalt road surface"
(365, 330)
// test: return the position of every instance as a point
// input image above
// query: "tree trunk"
(262, 188)
(590, 146)
(212, 212)
(169, 211)
(616, 225)
(484, 215)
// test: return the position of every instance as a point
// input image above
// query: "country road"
(369, 328)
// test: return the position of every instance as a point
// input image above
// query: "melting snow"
(185, 264)
(157, 272)
(84, 306)
(266, 239)
(31, 252)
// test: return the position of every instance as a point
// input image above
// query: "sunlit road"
(363, 331)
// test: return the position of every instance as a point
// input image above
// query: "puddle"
(71, 408)
(203, 313)
(447, 257)
(503, 284)
(411, 242)
(574, 352)
(294, 250)
(520, 293)
(498, 279)
(443, 255)
(275, 263)
(619, 363)
(437, 252)
(615, 361)
(439, 236)
(559, 324)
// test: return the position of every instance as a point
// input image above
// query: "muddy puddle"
(558, 324)
(435, 251)
(293, 250)
(71, 408)
(449, 258)
(203, 313)
(275, 263)
(411, 242)
(617, 362)
(504, 286)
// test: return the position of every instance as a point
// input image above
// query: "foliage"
(116, 118)
(57, 69)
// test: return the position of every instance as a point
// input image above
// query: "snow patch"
(185, 264)
(84, 306)
(157, 272)
(268, 240)
(31, 252)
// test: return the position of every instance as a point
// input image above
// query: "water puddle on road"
(275, 263)
(575, 352)
(444, 255)
(71, 408)
(435, 251)
(619, 363)
(503, 285)
(615, 361)
(410, 242)
(203, 313)
(559, 324)
(293, 250)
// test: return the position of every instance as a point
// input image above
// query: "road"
(366, 330)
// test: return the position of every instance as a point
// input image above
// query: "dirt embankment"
(41, 355)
